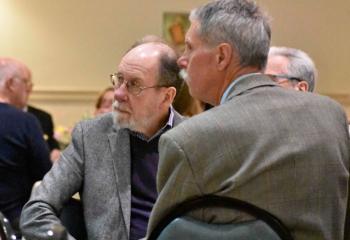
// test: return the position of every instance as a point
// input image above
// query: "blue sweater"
(24, 159)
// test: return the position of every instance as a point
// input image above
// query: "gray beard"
(131, 124)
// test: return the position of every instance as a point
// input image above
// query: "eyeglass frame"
(28, 82)
(279, 76)
(139, 88)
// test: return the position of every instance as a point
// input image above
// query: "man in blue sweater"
(24, 156)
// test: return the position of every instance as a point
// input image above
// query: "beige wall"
(72, 45)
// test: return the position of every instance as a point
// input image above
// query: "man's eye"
(133, 84)
(120, 79)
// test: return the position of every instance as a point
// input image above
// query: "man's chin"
(121, 120)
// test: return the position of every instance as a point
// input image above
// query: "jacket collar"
(248, 82)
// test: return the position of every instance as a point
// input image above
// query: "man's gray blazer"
(96, 163)
(282, 150)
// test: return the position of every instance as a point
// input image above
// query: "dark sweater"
(24, 159)
(144, 165)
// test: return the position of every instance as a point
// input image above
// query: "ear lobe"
(224, 55)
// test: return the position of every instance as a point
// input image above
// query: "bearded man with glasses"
(113, 159)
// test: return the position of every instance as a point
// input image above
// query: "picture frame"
(175, 25)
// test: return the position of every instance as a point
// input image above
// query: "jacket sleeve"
(40, 214)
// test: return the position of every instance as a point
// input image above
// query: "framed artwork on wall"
(175, 26)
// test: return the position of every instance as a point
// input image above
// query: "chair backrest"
(6, 231)
(176, 225)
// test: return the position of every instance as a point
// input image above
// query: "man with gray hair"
(258, 144)
(291, 68)
(113, 159)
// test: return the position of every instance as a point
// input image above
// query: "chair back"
(176, 225)
(6, 231)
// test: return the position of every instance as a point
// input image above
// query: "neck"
(156, 124)
(4, 100)
(230, 77)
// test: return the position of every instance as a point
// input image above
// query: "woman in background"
(104, 101)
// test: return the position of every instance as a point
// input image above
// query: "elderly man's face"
(277, 65)
(21, 88)
(199, 61)
(139, 111)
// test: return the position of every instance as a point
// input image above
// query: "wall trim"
(66, 95)
(342, 98)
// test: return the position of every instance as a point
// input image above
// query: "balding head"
(15, 82)
(145, 86)
(160, 55)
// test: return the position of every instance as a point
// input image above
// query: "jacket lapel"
(120, 147)
(119, 141)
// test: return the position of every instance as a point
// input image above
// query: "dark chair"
(6, 231)
(73, 219)
(176, 225)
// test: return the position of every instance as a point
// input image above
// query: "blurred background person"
(24, 156)
(47, 127)
(44, 118)
(291, 68)
(186, 105)
(104, 101)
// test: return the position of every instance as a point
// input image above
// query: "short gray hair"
(300, 65)
(239, 23)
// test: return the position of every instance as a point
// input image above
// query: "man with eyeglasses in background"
(24, 156)
(113, 159)
(291, 68)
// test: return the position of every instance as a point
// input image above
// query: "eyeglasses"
(132, 86)
(29, 84)
(276, 78)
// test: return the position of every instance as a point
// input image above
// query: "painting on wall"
(175, 26)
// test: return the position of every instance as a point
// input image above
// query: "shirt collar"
(168, 125)
(233, 83)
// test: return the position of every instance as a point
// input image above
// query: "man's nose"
(121, 93)
(182, 62)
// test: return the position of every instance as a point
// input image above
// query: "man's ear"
(303, 86)
(169, 95)
(223, 55)
(9, 84)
